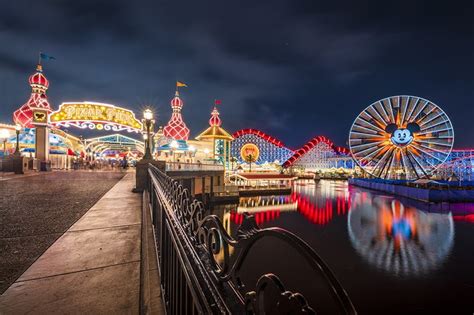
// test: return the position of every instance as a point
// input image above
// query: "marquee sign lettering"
(93, 115)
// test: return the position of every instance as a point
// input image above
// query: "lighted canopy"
(92, 115)
(401, 137)
(115, 142)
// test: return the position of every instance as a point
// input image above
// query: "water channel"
(393, 256)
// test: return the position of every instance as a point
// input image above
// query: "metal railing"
(193, 281)
(180, 166)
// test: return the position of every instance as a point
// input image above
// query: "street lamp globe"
(148, 114)
(18, 127)
(145, 136)
(148, 120)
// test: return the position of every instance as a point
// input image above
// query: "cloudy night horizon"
(291, 70)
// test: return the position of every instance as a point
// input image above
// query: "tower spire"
(215, 120)
(176, 127)
(38, 99)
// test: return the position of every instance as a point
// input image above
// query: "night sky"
(293, 69)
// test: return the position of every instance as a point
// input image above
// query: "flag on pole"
(217, 102)
(44, 56)
(180, 84)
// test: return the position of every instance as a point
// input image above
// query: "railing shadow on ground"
(194, 281)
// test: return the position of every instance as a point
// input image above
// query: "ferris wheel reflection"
(399, 239)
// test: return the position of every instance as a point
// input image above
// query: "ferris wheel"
(401, 137)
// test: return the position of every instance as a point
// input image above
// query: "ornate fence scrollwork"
(207, 238)
(283, 302)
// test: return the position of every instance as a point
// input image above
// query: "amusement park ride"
(399, 137)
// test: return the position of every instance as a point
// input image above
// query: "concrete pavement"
(93, 268)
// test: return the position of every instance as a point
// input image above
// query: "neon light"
(95, 115)
(270, 149)
(310, 145)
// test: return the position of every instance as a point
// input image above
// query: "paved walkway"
(10, 175)
(92, 268)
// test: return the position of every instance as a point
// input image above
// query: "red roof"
(38, 79)
(215, 120)
(176, 102)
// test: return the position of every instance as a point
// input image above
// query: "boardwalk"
(37, 208)
(92, 268)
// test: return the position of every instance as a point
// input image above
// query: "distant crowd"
(101, 164)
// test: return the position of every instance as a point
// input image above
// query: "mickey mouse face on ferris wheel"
(402, 137)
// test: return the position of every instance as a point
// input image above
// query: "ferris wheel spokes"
(401, 136)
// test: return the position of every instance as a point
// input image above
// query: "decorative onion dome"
(39, 85)
(38, 80)
(215, 120)
(176, 128)
(215, 131)
(176, 102)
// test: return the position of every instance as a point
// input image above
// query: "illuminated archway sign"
(92, 115)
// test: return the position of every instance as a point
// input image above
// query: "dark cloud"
(294, 69)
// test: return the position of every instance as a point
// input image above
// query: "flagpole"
(39, 57)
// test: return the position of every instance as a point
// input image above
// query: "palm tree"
(249, 159)
(233, 160)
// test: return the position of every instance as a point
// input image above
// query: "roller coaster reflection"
(319, 210)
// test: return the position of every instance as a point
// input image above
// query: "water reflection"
(390, 235)
(398, 238)
(317, 202)
(377, 245)
(264, 208)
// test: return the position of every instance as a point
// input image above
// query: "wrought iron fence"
(193, 280)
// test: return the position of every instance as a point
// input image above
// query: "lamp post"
(17, 149)
(145, 139)
(4, 135)
(147, 120)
